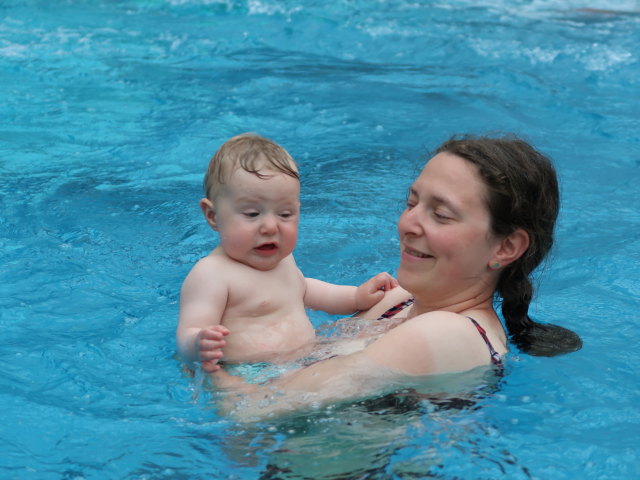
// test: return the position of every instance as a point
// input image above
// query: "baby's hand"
(372, 291)
(210, 343)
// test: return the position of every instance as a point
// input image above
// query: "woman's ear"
(511, 248)
(209, 212)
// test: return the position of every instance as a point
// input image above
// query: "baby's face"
(257, 218)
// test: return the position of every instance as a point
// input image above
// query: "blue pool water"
(110, 112)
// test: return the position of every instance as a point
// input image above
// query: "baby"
(249, 289)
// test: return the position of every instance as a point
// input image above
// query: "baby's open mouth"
(266, 247)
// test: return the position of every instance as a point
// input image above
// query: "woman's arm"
(429, 344)
(328, 381)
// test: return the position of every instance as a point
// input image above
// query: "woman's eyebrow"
(437, 199)
(455, 207)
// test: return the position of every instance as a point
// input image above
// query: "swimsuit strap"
(396, 309)
(496, 359)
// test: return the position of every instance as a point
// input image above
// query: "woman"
(479, 219)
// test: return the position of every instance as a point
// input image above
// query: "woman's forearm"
(329, 381)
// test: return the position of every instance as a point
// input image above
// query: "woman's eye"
(441, 215)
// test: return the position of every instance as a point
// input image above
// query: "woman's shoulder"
(431, 343)
(440, 322)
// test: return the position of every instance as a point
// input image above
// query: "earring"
(495, 265)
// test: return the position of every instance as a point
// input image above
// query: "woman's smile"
(414, 254)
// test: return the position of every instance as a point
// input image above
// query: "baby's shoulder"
(210, 263)
(210, 269)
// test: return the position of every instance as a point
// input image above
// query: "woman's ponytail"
(515, 292)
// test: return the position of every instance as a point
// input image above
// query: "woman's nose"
(409, 223)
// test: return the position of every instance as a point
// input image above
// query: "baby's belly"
(275, 344)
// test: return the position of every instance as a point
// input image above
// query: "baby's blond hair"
(250, 152)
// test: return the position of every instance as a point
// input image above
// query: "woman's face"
(445, 237)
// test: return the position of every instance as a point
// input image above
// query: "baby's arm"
(199, 336)
(346, 299)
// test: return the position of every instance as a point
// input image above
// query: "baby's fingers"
(210, 366)
(206, 355)
(211, 346)
(391, 282)
(384, 281)
(214, 333)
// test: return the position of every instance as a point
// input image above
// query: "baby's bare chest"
(266, 294)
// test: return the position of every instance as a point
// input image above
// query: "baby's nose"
(269, 224)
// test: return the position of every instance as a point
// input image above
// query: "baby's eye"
(250, 214)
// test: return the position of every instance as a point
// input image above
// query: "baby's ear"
(209, 212)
